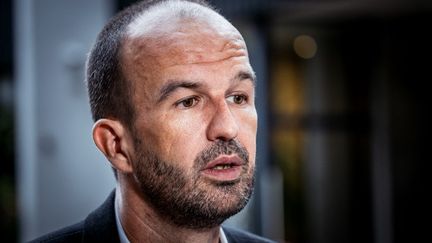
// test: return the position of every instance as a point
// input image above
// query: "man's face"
(195, 125)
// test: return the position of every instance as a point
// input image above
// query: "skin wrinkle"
(146, 47)
(198, 59)
(179, 37)
(134, 214)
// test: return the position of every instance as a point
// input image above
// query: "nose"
(223, 125)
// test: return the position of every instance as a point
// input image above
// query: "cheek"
(248, 130)
(175, 140)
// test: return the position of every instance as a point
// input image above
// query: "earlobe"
(111, 139)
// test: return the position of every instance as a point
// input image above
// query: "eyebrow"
(173, 85)
(245, 75)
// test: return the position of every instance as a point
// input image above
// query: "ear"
(110, 136)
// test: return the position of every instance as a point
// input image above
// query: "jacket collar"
(100, 225)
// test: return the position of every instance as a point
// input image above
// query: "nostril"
(224, 139)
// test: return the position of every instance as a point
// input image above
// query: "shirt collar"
(120, 230)
(222, 236)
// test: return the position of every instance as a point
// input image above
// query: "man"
(172, 95)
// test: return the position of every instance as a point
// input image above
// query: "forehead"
(181, 32)
(191, 44)
(181, 43)
(161, 42)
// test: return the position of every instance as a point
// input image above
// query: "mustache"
(221, 148)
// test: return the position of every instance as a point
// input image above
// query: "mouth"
(224, 169)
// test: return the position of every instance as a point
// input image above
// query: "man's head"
(172, 94)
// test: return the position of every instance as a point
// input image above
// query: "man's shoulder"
(99, 226)
(71, 233)
(237, 236)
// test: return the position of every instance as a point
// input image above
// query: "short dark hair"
(108, 90)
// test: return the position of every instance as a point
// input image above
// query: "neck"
(141, 223)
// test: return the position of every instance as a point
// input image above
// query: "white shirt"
(124, 239)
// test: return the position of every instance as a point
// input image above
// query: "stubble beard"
(187, 199)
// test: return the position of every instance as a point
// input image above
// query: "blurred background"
(342, 102)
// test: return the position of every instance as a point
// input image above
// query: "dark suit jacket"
(100, 226)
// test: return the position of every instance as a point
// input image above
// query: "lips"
(224, 168)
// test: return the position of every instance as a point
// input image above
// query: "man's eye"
(238, 99)
(188, 102)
